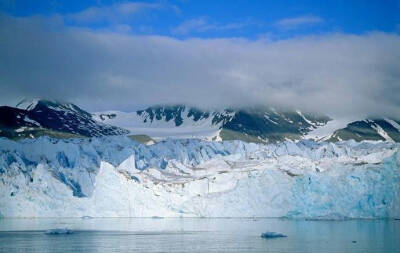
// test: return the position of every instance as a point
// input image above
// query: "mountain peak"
(35, 117)
(27, 104)
(30, 103)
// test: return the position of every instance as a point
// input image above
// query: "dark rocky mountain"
(273, 125)
(258, 124)
(371, 129)
(45, 117)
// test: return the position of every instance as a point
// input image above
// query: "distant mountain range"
(33, 118)
(261, 124)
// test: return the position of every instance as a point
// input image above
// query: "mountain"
(114, 176)
(259, 124)
(32, 118)
(370, 129)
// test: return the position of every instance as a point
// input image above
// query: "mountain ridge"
(49, 117)
(36, 117)
(262, 124)
(254, 124)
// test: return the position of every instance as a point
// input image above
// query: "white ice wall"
(117, 177)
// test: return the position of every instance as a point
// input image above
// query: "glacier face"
(118, 177)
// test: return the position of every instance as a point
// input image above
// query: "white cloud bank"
(338, 74)
(203, 25)
(295, 22)
(115, 13)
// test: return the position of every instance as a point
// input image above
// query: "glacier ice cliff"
(118, 177)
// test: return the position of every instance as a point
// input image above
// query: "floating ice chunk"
(59, 231)
(86, 217)
(270, 235)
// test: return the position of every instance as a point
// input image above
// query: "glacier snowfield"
(118, 177)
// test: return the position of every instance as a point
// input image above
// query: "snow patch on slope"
(393, 123)
(381, 132)
(326, 131)
(305, 119)
(27, 104)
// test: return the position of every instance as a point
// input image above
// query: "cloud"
(113, 13)
(296, 22)
(189, 25)
(337, 74)
(200, 25)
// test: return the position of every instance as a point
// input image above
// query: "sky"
(335, 57)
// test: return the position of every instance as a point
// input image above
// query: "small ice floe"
(270, 235)
(86, 217)
(59, 231)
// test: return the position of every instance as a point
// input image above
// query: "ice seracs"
(118, 177)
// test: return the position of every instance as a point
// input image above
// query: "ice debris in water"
(59, 231)
(86, 217)
(270, 235)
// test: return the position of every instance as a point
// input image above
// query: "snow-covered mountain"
(118, 177)
(261, 124)
(32, 118)
(370, 129)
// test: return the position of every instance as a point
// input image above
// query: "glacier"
(117, 177)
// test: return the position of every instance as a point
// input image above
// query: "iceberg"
(270, 235)
(59, 231)
(119, 177)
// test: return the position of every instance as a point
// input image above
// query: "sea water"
(197, 235)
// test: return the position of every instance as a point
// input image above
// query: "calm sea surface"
(198, 235)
